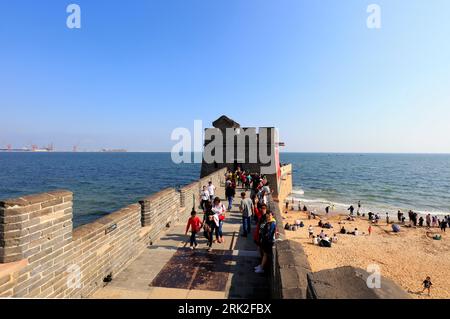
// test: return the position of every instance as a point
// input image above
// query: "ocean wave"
(298, 197)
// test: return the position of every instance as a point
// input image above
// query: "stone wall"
(42, 256)
(290, 266)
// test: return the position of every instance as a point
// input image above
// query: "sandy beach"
(407, 257)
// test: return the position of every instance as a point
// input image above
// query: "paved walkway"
(170, 270)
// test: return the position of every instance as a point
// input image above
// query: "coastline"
(406, 257)
(338, 207)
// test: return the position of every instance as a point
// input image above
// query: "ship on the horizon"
(34, 148)
(120, 150)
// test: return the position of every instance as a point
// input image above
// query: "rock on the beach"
(350, 283)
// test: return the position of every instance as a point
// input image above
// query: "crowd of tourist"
(253, 208)
(322, 239)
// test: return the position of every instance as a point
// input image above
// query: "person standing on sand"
(399, 216)
(387, 218)
(443, 225)
(359, 207)
(310, 231)
(427, 285)
(421, 221)
(428, 220)
(327, 210)
(351, 209)
(370, 230)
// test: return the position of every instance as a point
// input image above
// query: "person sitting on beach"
(320, 223)
(322, 234)
(327, 225)
(395, 228)
(427, 285)
(310, 232)
(335, 239)
(343, 231)
(316, 240)
(325, 242)
(377, 218)
(305, 209)
(355, 232)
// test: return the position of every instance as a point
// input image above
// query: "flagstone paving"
(170, 270)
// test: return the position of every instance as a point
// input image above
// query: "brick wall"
(41, 256)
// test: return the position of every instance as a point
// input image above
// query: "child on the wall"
(194, 223)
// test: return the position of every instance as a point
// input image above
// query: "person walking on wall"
(211, 190)
(230, 192)
(219, 216)
(247, 210)
(209, 225)
(204, 198)
(194, 223)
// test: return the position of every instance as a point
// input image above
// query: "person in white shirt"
(211, 190)
(335, 239)
(219, 216)
(204, 198)
(315, 240)
(311, 231)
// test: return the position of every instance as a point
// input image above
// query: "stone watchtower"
(229, 145)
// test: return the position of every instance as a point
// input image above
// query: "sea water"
(105, 182)
(382, 182)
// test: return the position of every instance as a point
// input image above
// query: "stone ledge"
(158, 195)
(34, 199)
(12, 267)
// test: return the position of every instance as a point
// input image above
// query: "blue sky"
(138, 69)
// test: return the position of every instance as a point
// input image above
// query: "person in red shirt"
(195, 224)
